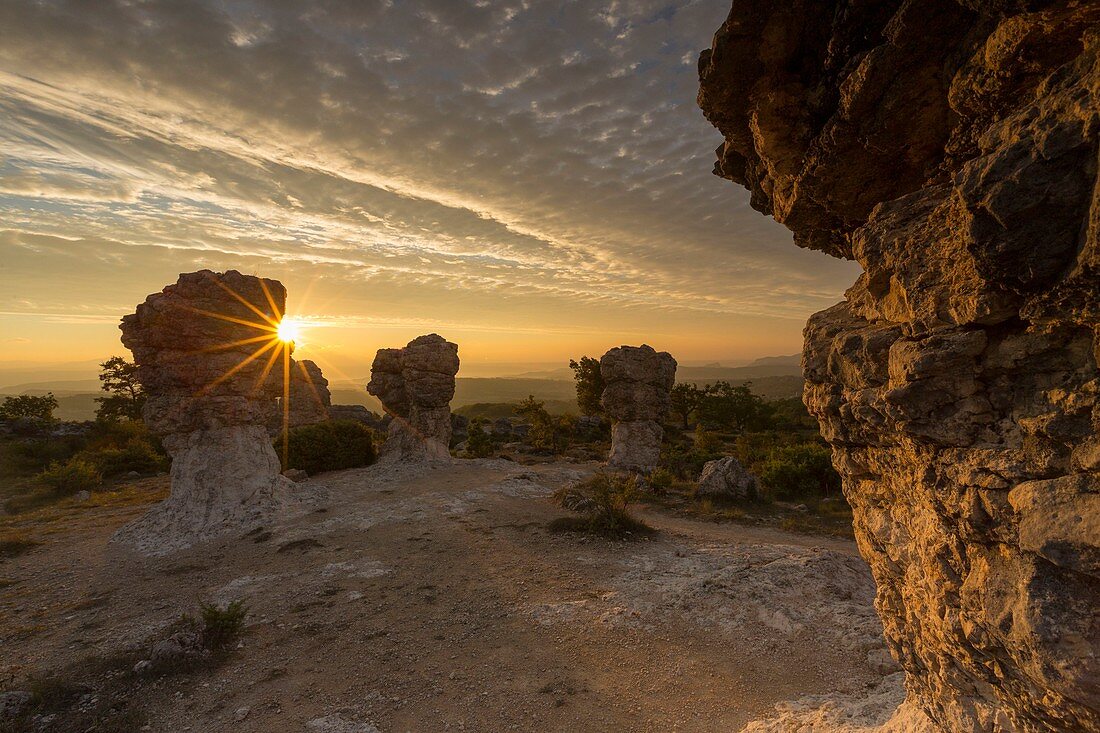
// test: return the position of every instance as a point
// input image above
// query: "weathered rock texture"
(637, 383)
(951, 149)
(202, 347)
(309, 398)
(726, 478)
(416, 385)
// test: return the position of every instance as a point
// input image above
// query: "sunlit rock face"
(309, 399)
(212, 368)
(951, 149)
(637, 385)
(415, 385)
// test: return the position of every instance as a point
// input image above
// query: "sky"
(531, 179)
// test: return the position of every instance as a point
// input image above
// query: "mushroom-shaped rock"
(637, 386)
(212, 368)
(415, 385)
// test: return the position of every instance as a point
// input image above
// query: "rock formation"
(726, 478)
(416, 385)
(309, 398)
(211, 365)
(637, 383)
(951, 149)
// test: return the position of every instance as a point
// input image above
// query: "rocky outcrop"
(637, 384)
(726, 478)
(415, 385)
(951, 149)
(212, 369)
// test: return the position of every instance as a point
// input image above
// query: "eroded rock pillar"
(212, 367)
(415, 385)
(637, 386)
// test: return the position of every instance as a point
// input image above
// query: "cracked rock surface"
(951, 149)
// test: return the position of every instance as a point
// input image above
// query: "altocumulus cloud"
(527, 152)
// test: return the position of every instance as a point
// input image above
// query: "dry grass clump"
(603, 501)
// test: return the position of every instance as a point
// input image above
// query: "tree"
(548, 432)
(479, 444)
(125, 397)
(589, 380)
(685, 399)
(723, 405)
(37, 408)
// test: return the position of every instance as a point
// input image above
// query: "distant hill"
(792, 360)
(58, 387)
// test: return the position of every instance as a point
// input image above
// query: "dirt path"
(436, 599)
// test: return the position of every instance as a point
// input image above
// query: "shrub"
(797, 471)
(589, 380)
(221, 626)
(136, 455)
(31, 456)
(479, 443)
(73, 476)
(30, 406)
(548, 432)
(706, 442)
(328, 446)
(660, 480)
(604, 500)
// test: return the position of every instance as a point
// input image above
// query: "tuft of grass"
(603, 501)
(13, 544)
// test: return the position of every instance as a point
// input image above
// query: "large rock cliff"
(951, 149)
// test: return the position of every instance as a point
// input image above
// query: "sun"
(289, 330)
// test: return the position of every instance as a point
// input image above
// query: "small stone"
(241, 713)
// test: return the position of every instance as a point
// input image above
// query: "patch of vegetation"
(71, 477)
(13, 544)
(221, 626)
(604, 501)
(125, 396)
(479, 442)
(328, 446)
(548, 432)
(29, 406)
(589, 382)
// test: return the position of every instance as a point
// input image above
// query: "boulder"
(950, 148)
(637, 387)
(415, 385)
(726, 478)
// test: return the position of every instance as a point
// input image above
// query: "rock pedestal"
(212, 367)
(415, 385)
(951, 149)
(637, 386)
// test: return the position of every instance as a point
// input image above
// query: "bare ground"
(423, 599)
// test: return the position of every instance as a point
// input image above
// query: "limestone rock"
(309, 396)
(637, 385)
(212, 367)
(951, 149)
(416, 385)
(726, 478)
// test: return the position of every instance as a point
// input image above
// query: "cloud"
(545, 155)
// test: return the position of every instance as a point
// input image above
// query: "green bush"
(604, 500)
(479, 443)
(328, 446)
(28, 457)
(660, 480)
(799, 471)
(136, 455)
(73, 476)
(221, 626)
(29, 406)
